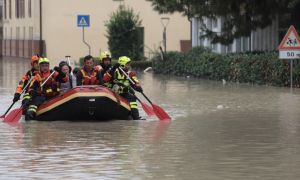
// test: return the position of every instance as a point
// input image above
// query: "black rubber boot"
(135, 114)
(30, 115)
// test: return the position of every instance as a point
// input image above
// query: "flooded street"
(219, 131)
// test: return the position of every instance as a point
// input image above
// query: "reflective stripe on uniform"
(32, 108)
(26, 96)
(121, 79)
(133, 105)
(49, 91)
(89, 79)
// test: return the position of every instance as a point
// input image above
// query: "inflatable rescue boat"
(85, 103)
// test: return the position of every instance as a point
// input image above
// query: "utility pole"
(165, 22)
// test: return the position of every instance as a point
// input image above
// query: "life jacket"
(24, 80)
(90, 79)
(105, 68)
(50, 88)
(121, 80)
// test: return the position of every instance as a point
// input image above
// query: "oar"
(159, 112)
(68, 58)
(15, 115)
(24, 89)
(148, 109)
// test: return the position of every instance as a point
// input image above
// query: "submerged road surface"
(218, 132)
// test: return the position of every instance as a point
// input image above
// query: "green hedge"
(140, 65)
(256, 68)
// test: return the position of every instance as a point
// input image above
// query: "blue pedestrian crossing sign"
(83, 20)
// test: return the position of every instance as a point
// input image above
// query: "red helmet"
(34, 58)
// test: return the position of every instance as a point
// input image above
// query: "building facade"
(50, 26)
(266, 39)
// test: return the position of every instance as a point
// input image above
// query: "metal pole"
(41, 45)
(165, 22)
(83, 40)
(165, 39)
(291, 74)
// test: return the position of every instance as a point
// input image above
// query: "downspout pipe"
(41, 47)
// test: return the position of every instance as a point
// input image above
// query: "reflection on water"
(231, 131)
(11, 70)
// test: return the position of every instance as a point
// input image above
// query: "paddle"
(15, 115)
(148, 109)
(24, 89)
(159, 112)
(68, 58)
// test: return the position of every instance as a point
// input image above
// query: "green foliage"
(256, 68)
(124, 34)
(239, 17)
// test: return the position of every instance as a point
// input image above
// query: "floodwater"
(218, 132)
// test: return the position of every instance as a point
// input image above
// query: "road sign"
(291, 40)
(289, 47)
(289, 54)
(83, 20)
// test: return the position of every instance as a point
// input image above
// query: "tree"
(124, 34)
(240, 17)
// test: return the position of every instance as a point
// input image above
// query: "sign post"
(289, 48)
(84, 21)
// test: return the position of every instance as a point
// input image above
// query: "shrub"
(257, 67)
(125, 36)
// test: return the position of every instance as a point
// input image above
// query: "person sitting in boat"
(65, 68)
(122, 85)
(105, 65)
(105, 61)
(44, 86)
(89, 74)
(24, 83)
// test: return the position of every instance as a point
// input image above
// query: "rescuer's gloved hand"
(138, 88)
(57, 69)
(113, 69)
(16, 97)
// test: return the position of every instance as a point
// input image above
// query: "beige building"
(31, 26)
(266, 39)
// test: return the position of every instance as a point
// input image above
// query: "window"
(238, 45)
(30, 33)
(11, 33)
(9, 8)
(1, 12)
(5, 33)
(29, 8)
(17, 8)
(20, 8)
(5, 9)
(18, 33)
(214, 47)
(24, 33)
(215, 23)
(229, 48)
(245, 44)
(209, 24)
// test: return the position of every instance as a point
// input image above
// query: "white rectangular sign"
(289, 54)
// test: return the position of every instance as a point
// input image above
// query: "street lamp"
(165, 22)
(121, 1)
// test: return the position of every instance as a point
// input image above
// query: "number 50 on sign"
(290, 54)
